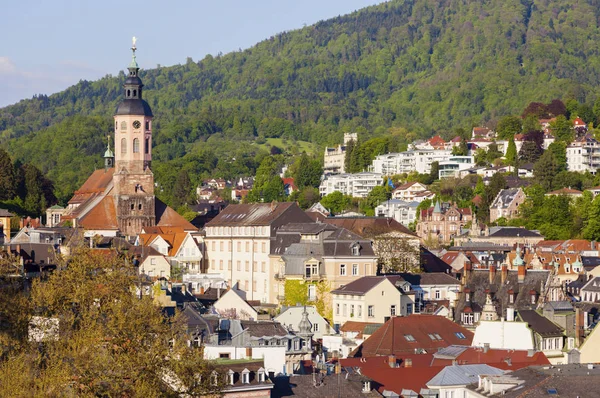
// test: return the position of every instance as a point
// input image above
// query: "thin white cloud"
(7, 66)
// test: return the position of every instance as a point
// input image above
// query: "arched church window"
(140, 206)
(134, 93)
(123, 145)
(123, 125)
(129, 93)
(147, 145)
(136, 145)
(147, 125)
(132, 206)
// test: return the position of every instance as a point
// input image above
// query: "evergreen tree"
(545, 170)
(7, 176)
(559, 150)
(182, 189)
(530, 152)
(511, 152)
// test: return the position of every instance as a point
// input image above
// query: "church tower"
(133, 180)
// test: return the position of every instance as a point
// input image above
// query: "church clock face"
(137, 124)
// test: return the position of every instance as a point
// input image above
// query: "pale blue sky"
(48, 46)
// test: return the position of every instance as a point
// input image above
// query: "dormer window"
(366, 386)
(356, 249)
(261, 375)
(246, 376)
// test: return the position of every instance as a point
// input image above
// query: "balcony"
(279, 276)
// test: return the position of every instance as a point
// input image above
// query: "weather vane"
(133, 40)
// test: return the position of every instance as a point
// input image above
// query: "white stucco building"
(418, 160)
(583, 155)
(357, 185)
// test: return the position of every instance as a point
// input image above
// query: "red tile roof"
(103, 216)
(436, 141)
(167, 217)
(498, 358)
(391, 338)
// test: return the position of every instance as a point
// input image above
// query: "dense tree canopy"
(384, 69)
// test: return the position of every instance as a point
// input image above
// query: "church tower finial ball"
(133, 41)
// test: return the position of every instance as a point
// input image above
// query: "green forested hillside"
(408, 67)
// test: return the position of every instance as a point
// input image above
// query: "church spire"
(109, 156)
(133, 64)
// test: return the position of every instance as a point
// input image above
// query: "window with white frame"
(370, 311)
(343, 269)
(354, 269)
(393, 310)
(337, 309)
(438, 294)
(359, 310)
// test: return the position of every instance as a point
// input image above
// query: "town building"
(319, 257)
(119, 199)
(373, 299)
(414, 334)
(290, 317)
(396, 247)
(443, 222)
(403, 212)
(409, 192)
(238, 245)
(5, 216)
(583, 154)
(452, 167)
(506, 204)
(177, 245)
(357, 185)
(334, 158)
(418, 160)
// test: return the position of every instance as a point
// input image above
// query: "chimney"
(467, 271)
(408, 363)
(510, 314)
(504, 274)
(579, 326)
(201, 289)
(492, 274)
(392, 361)
(522, 271)
(486, 347)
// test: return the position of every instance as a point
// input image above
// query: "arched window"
(140, 206)
(123, 145)
(136, 145)
(134, 93)
(147, 125)
(147, 145)
(129, 93)
(123, 125)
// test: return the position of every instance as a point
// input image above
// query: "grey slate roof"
(540, 324)
(478, 282)
(504, 198)
(593, 285)
(457, 375)
(430, 278)
(362, 285)
(508, 232)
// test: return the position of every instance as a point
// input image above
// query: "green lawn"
(288, 145)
